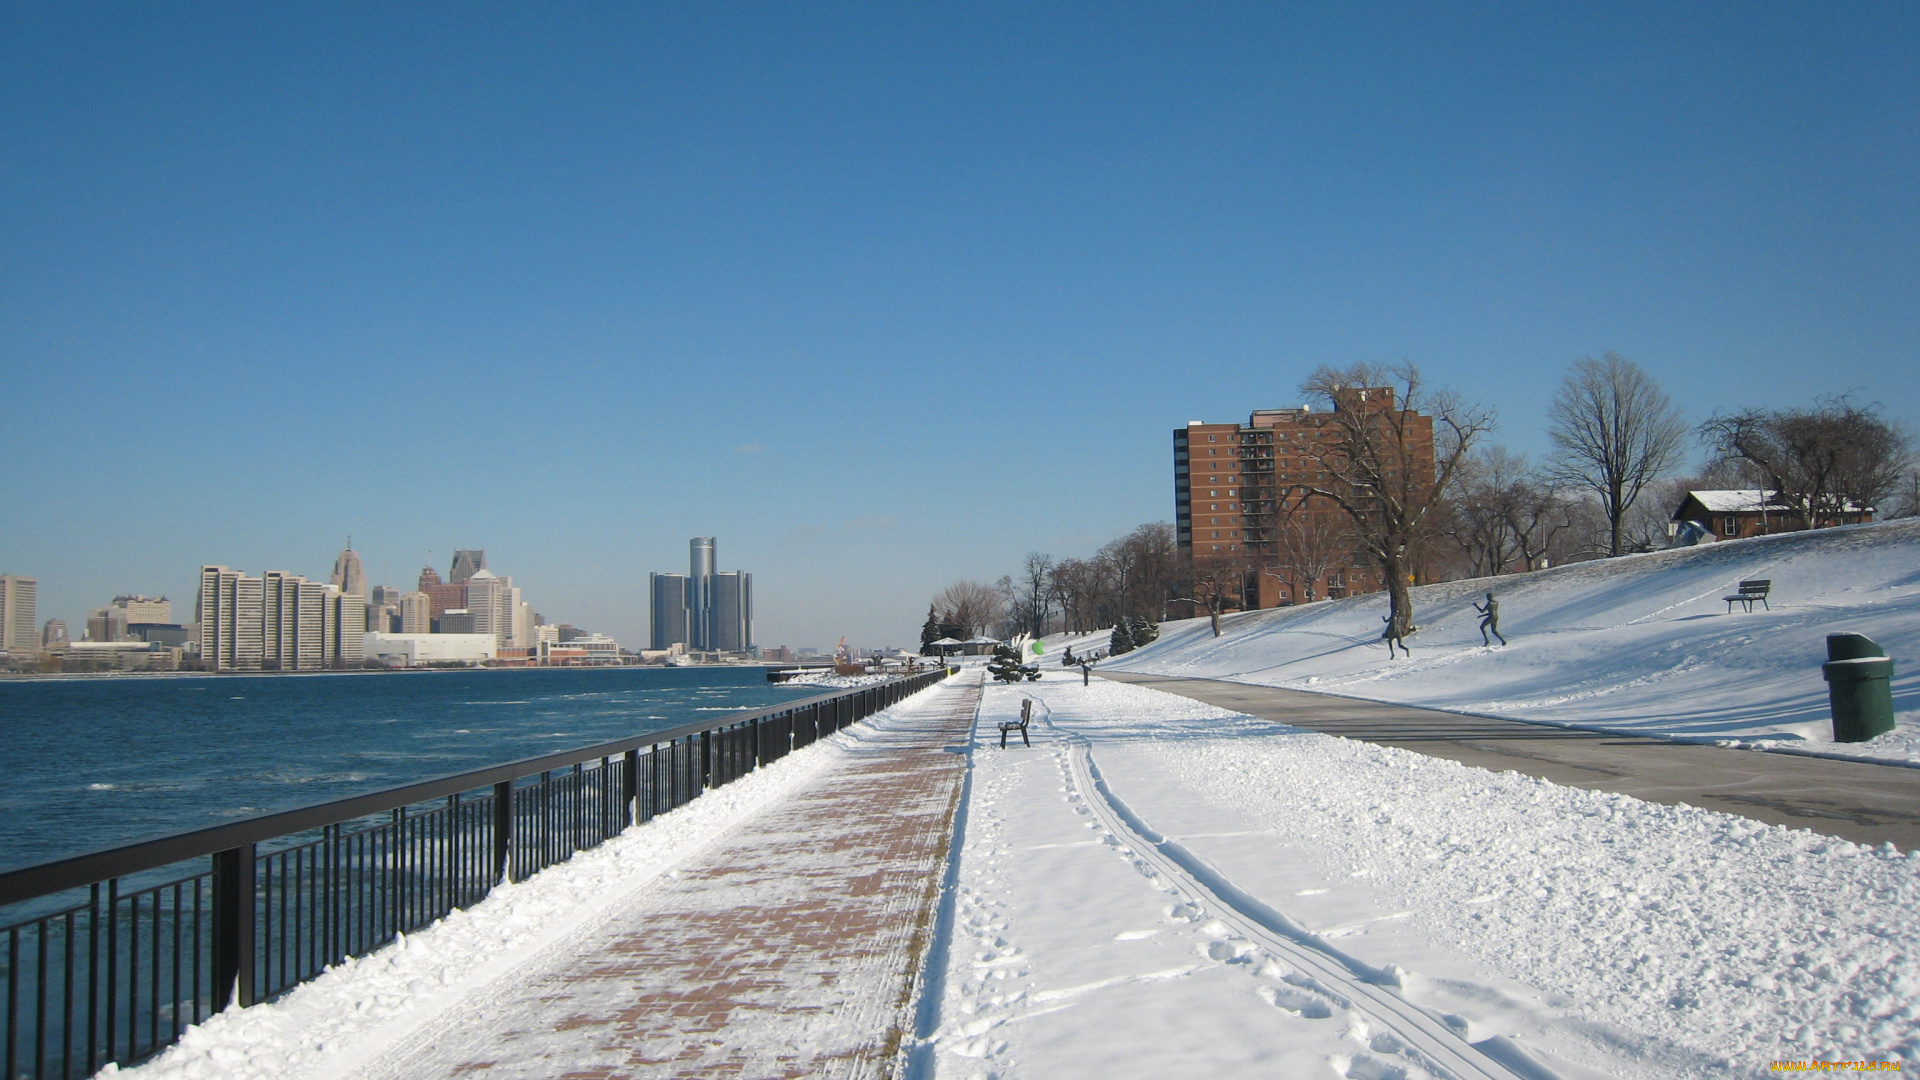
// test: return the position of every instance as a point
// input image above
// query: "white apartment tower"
(279, 622)
(19, 614)
(228, 613)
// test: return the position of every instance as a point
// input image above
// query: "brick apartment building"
(1238, 499)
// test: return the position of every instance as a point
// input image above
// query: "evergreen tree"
(1122, 639)
(930, 633)
(1144, 632)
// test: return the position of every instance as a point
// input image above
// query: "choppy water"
(91, 763)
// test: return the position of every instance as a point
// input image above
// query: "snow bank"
(1213, 894)
(1641, 644)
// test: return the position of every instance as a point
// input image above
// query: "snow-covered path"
(769, 928)
(1159, 887)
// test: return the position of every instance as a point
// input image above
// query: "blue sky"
(879, 295)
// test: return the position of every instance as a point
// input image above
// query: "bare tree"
(1537, 514)
(1614, 431)
(1818, 460)
(1480, 504)
(1314, 538)
(1390, 448)
(1033, 594)
(969, 605)
(1216, 583)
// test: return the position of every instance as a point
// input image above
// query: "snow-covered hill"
(1640, 644)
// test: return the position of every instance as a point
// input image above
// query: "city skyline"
(663, 246)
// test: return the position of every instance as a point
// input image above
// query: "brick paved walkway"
(786, 950)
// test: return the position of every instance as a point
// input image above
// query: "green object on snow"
(1859, 687)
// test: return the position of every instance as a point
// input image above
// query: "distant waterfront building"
(54, 634)
(19, 614)
(456, 621)
(144, 609)
(466, 564)
(443, 595)
(709, 610)
(416, 613)
(669, 597)
(278, 621)
(228, 612)
(106, 624)
(701, 561)
(409, 650)
(349, 576)
(732, 615)
(489, 602)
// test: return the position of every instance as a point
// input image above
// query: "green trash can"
(1859, 686)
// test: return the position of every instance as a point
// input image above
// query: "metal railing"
(123, 949)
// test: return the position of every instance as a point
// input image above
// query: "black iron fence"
(120, 950)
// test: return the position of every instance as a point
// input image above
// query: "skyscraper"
(731, 620)
(489, 601)
(278, 621)
(466, 563)
(700, 564)
(19, 614)
(348, 575)
(228, 612)
(669, 592)
(416, 613)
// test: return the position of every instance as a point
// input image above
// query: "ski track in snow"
(1489, 922)
(1641, 644)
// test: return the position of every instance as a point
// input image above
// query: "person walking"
(1489, 621)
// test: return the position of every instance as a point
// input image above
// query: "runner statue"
(1397, 633)
(1489, 620)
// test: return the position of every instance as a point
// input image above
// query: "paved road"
(1859, 801)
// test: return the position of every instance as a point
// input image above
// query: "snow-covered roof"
(949, 641)
(1736, 500)
(983, 641)
(1751, 501)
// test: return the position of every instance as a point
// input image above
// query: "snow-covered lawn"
(1161, 888)
(1641, 644)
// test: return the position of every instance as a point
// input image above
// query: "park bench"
(1756, 589)
(1020, 725)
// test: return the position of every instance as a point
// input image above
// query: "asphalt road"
(1857, 801)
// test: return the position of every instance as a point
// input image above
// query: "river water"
(87, 763)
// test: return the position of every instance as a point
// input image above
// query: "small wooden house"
(1735, 512)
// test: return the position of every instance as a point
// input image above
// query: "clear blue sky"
(879, 295)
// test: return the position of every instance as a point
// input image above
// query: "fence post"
(502, 832)
(630, 788)
(706, 759)
(233, 914)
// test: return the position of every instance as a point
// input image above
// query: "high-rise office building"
(701, 560)
(708, 610)
(54, 634)
(490, 602)
(731, 619)
(349, 576)
(669, 594)
(144, 609)
(443, 595)
(416, 613)
(107, 623)
(467, 563)
(19, 614)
